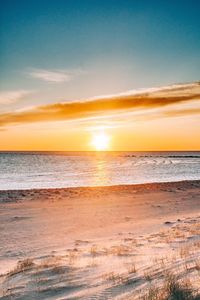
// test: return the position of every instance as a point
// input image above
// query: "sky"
(72, 70)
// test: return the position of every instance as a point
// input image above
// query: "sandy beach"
(100, 242)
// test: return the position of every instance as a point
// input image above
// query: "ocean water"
(27, 170)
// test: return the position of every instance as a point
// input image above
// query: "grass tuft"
(22, 266)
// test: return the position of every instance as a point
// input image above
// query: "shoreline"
(136, 186)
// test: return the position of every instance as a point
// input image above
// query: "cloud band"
(129, 101)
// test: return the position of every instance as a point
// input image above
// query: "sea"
(36, 170)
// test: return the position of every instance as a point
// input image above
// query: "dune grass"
(172, 289)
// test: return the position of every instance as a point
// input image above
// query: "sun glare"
(100, 141)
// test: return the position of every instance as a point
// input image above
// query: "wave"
(163, 156)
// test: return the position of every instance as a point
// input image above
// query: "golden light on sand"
(100, 141)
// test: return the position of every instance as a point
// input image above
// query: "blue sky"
(112, 45)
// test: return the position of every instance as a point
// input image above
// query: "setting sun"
(100, 141)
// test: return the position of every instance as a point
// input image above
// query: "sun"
(100, 141)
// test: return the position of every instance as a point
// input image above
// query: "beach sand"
(119, 242)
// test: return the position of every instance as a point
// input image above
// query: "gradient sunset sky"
(73, 69)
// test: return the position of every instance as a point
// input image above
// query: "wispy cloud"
(55, 76)
(8, 97)
(145, 100)
(182, 112)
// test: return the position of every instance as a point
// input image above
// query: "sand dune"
(121, 242)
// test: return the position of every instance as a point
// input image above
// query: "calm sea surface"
(22, 170)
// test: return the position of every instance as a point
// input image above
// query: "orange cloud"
(129, 101)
